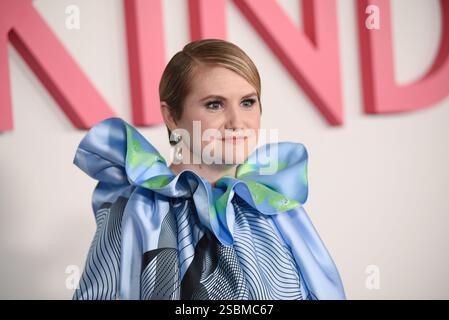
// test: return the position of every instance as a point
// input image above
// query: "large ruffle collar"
(117, 155)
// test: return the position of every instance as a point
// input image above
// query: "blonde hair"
(180, 70)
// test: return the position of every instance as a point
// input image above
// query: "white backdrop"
(378, 184)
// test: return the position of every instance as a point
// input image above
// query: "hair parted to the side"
(180, 70)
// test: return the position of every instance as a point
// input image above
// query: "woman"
(221, 221)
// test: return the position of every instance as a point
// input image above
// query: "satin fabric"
(272, 181)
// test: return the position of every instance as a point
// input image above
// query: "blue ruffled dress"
(166, 236)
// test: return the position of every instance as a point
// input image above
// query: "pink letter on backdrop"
(207, 19)
(51, 63)
(381, 93)
(146, 59)
(312, 57)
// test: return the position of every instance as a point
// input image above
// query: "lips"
(234, 139)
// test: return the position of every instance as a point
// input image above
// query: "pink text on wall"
(310, 55)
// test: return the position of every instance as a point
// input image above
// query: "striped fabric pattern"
(101, 272)
(267, 264)
(257, 266)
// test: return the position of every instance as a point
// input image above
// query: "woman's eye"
(217, 104)
(251, 102)
(213, 105)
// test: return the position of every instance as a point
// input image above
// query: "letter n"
(52, 64)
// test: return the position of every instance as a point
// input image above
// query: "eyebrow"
(223, 98)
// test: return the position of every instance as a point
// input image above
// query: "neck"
(211, 172)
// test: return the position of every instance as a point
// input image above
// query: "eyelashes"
(253, 101)
(212, 105)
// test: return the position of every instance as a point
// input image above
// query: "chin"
(234, 153)
(234, 158)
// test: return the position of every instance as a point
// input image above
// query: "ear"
(168, 117)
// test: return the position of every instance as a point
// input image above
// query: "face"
(221, 117)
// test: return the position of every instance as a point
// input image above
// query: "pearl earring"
(175, 138)
(178, 154)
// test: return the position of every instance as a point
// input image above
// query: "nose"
(234, 118)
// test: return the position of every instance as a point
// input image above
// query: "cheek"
(253, 123)
(253, 126)
(207, 119)
(210, 123)
(199, 123)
